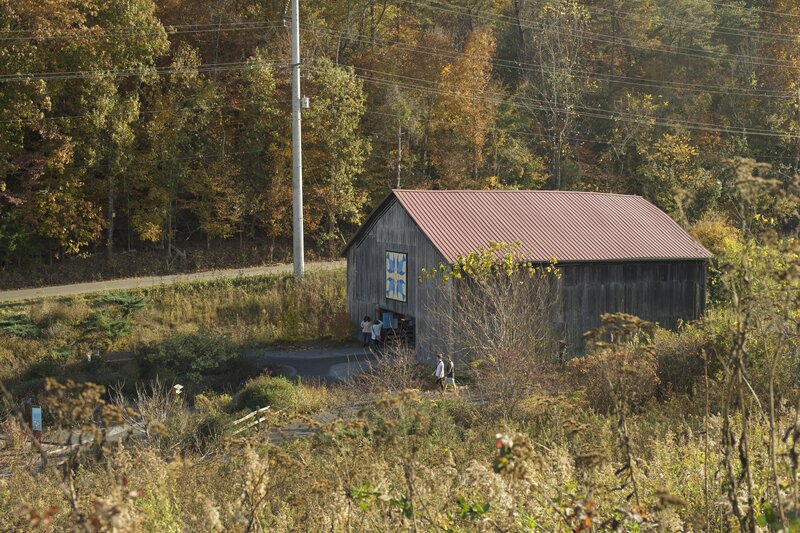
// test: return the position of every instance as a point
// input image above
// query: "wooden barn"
(616, 253)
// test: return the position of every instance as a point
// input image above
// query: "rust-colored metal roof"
(570, 226)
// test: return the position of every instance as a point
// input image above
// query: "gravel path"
(154, 281)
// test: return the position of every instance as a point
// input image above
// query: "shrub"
(621, 370)
(125, 300)
(213, 426)
(625, 375)
(50, 313)
(275, 392)
(194, 355)
(107, 326)
(678, 359)
(395, 370)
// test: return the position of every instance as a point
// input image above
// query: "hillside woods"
(128, 125)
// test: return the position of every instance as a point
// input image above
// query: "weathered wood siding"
(394, 230)
(663, 292)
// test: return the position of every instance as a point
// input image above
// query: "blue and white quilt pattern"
(396, 279)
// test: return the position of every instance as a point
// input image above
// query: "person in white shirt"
(366, 330)
(377, 326)
(439, 373)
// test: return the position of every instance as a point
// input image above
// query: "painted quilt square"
(396, 276)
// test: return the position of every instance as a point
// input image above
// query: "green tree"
(178, 145)
(334, 151)
(555, 40)
(265, 161)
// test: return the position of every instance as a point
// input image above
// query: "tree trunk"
(797, 143)
(110, 214)
(169, 230)
(399, 151)
(126, 186)
(518, 13)
(556, 163)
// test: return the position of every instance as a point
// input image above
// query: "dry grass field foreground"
(376, 457)
(650, 431)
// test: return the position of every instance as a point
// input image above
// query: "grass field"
(695, 430)
(247, 312)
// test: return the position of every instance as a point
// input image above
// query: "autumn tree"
(672, 178)
(464, 113)
(478, 302)
(178, 144)
(265, 160)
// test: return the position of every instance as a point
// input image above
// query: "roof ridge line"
(507, 191)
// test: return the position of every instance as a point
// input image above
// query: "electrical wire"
(585, 111)
(107, 34)
(579, 73)
(145, 71)
(611, 39)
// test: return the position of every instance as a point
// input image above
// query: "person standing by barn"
(439, 373)
(377, 326)
(366, 330)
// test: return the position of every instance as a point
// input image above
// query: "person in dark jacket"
(449, 374)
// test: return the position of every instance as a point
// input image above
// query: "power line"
(754, 9)
(219, 155)
(73, 35)
(499, 98)
(144, 71)
(611, 39)
(679, 23)
(159, 111)
(627, 80)
(166, 27)
(584, 111)
(578, 73)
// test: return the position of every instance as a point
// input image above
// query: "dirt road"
(153, 281)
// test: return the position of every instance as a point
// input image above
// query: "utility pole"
(297, 149)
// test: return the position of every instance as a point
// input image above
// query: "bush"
(194, 355)
(678, 359)
(50, 313)
(125, 300)
(626, 375)
(213, 426)
(621, 370)
(276, 392)
(107, 326)
(395, 370)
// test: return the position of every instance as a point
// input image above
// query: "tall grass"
(408, 462)
(257, 311)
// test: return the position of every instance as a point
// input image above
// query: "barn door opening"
(398, 329)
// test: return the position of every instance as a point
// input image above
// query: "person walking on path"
(449, 374)
(439, 373)
(366, 330)
(377, 326)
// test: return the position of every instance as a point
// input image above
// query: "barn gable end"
(391, 229)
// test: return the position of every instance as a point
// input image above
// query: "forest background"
(145, 125)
